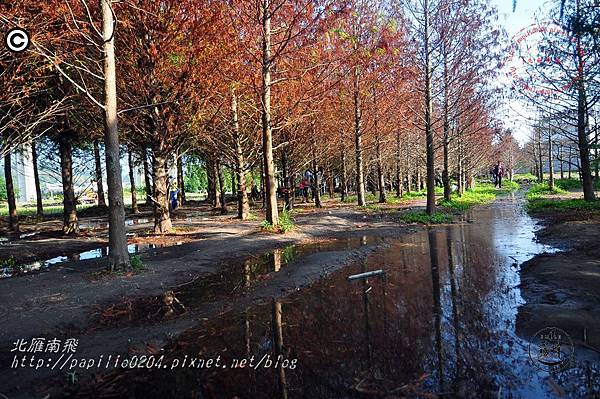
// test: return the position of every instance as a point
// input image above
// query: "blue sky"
(515, 113)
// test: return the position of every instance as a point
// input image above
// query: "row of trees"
(562, 85)
(363, 94)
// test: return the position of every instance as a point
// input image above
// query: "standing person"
(174, 202)
(173, 190)
(254, 193)
(499, 172)
(494, 176)
(302, 192)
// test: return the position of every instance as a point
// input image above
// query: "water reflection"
(441, 323)
(236, 276)
(278, 346)
(96, 253)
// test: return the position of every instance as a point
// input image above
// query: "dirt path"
(563, 289)
(76, 299)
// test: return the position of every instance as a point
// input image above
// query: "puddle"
(103, 224)
(27, 235)
(235, 277)
(132, 222)
(440, 323)
(97, 253)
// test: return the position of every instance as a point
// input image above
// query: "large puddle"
(236, 277)
(439, 323)
(97, 253)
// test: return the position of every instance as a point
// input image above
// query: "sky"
(515, 113)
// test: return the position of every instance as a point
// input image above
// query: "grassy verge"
(286, 223)
(524, 177)
(424, 218)
(565, 205)
(573, 184)
(482, 194)
(48, 210)
(539, 199)
(541, 190)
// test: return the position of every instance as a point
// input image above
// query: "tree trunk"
(99, 185)
(583, 142)
(380, 173)
(344, 185)
(162, 218)
(278, 347)
(360, 178)
(223, 198)
(536, 166)
(459, 181)
(233, 181)
(272, 213)
(569, 163)
(399, 181)
(134, 205)
(70, 223)
(428, 123)
(242, 195)
(287, 200)
(561, 161)
(180, 181)
(147, 175)
(211, 195)
(13, 218)
(540, 158)
(36, 178)
(262, 185)
(118, 257)
(550, 161)
(330, 181)
(446, 134)
(596, 142)
(317, 182)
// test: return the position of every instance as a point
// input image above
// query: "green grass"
(482, 194)
(468, 199)
(369, 197)
(520, 177)
(542, 189)
(286, 223)
(538, 201)
(566, 205)
(11, 264)
(372, 207)
(572, 184)
(568, 184)
(424, 218)
(413, 195)
(136, 263)
(49, 210)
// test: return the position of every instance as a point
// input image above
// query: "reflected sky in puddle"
(235, 277)
(440, 323)
(97, 253)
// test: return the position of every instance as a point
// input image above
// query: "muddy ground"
(562, 289)
(213, 265)
(132, 312)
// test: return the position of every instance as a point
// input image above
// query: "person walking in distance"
(499, 172)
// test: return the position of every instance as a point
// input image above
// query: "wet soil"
(444, 320)
(563, 289)
(119, 313)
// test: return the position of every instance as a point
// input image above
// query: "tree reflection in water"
(440, 322)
